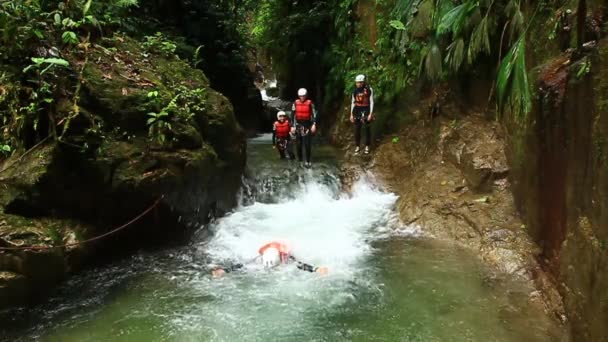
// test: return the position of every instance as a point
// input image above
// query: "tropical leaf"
(440, 10)
(404, 7)
(512, 83)
(55, 61)
(511, 7)
(38, 61)
(126, 3)
(520, 95)
(455, 19)
(504, 73)
(70, 37)
(480, 40)
(86, 7)
(432, 62)
(455, 55)
(397, 24)
(516, 26)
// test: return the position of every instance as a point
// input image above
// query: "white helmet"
(271, 257)
(280, 113)
(302, 92)
(360, 78)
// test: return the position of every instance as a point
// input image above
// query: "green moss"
(600, 78)
(123, 75)
(22, 171)
(21, 231)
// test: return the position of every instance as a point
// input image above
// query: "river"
(386, 281)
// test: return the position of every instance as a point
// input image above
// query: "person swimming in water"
(272, 254)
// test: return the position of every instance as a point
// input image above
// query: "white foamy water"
(323, 228)
(320, 228)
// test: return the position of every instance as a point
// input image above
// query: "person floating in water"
(281, 137)
(272, 254)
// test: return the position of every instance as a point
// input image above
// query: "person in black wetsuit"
(362, 112)
(304, 123)
(273, 254)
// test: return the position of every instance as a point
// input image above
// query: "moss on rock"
(58, 193)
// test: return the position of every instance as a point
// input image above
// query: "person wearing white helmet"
(362, 111)
(272, 254)
(281, 138)
(304, 123)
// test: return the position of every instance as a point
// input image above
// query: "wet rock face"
(561, 170)
(57, 194)
(478, 154)
(451, 178)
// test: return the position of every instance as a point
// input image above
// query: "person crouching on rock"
(304, 123)
(281, 138)
(272, 254)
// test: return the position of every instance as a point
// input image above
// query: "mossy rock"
(13, 288)
(57, 193)
(23, 171)
(25, 273)
(420, 26)
(118, 83)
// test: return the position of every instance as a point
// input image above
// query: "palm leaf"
(450, 21)
(442, 8)
(455, 19)
(404, 8)
(126, 3)
(504, 73)
(521, 97)
(432, 62)
(516, 26)
(455, 55)
(512, 83)
(480, 40)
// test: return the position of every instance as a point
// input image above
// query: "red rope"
(115, 230)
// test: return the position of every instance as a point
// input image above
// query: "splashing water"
(322, 229)
(382, 284)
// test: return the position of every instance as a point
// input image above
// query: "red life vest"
(283, 249)
(281, 129)
(303, 110)
(362, 96)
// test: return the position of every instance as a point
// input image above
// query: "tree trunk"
(581, 15)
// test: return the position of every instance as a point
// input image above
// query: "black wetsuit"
(360, 113)
(303, 266)
(232, 268)
(299, 264)
(303, 134)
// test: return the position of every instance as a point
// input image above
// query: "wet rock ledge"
(58, 193)
(452, 178)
